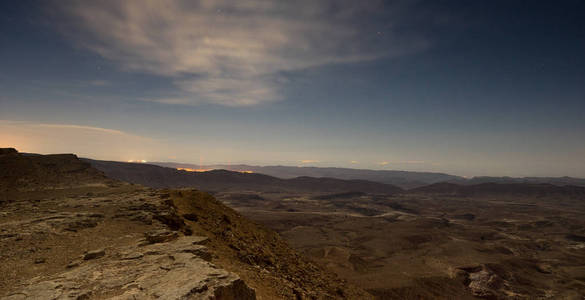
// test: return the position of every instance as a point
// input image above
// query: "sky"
(469, 88)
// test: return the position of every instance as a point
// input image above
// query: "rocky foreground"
(68, 232)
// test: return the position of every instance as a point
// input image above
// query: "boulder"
(94, 254)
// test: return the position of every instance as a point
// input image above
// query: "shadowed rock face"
(29, 172)
(6, 151)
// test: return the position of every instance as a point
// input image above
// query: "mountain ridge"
(158, 176)
(223, 180)
(497, 188)
(400, 178)
(403, 179)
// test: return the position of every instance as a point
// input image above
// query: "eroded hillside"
(96, 238)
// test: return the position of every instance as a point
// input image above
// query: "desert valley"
(235, 235)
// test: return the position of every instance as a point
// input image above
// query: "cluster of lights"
(205, 170)
(193, 170)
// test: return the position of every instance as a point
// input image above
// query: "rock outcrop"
(6, 151)
(178, 269)
(31, 172)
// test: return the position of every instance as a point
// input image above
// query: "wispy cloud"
(70, 126)
(80, 139)
(227, 52)
(383, 163)
(354, 162)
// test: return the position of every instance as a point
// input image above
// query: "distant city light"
(206, 170)
(137, 161)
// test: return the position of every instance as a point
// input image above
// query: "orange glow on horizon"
(193, 170)
(206, 170)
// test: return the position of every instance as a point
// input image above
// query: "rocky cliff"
(68, 232)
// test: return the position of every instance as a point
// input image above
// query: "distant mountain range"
(403, 179)
(510, 189)
(223, 180)
(247, 180)
(559, 181)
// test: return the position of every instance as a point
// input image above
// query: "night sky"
(464, 87)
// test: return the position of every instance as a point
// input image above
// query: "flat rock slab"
(160, 236)
(175, 270)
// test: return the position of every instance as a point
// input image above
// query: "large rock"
(481, 281)
(94, 254)
(173, 270)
